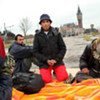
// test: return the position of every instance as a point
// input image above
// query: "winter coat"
(50, 46)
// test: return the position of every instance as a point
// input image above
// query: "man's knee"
(61, 73)
(62, 77)
(47, 80)
(46, 75)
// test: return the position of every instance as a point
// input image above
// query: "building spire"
(79, 10)
(79, 17)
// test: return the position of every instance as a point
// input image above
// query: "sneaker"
(70, 79)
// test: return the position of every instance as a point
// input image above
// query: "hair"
(18, 36)
(95, 43)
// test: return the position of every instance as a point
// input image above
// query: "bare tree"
(25, 25)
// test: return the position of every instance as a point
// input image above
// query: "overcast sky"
(61, 12)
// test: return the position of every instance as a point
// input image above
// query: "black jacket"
(1, 61)
(50, 46)
(1, 64)
(20, 52)
(5, 87)
(87, 60)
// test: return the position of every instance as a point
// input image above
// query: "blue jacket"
(20, 52)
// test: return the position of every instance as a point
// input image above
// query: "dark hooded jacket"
(88, 61)
(20, 52)
(50, 46)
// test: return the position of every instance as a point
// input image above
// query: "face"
(20, 40)
(46, 24)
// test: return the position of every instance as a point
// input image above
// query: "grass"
(87, 37)
(95, 33)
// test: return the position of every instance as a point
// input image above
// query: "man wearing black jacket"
(22, 54)
(23, 79)
(49, 48)
(90, 59)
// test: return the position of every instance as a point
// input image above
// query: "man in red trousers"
(49, 48)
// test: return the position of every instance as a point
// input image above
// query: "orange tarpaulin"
(86, 90)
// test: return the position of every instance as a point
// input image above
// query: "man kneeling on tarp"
(90, 61)
(49, 48)
(5, 76)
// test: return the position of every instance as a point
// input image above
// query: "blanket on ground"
(86, 90)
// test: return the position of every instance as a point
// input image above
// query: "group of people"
(47, 52)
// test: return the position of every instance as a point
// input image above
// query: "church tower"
(79, 18)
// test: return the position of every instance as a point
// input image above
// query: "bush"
(95, 33)
(87, 37)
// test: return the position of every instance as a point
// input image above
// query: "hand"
(85, 70)
(51, 62)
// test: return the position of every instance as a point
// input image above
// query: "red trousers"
(60, 72)
(2, 50)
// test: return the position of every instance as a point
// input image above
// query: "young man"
(49, 48)
(90, 59)
(5, 76)
(22, 54)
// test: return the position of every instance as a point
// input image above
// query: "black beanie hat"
(45, 17)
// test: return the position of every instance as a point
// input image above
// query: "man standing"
(49, 48)
(5, 75)
(90, 59)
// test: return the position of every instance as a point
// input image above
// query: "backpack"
(28, 83)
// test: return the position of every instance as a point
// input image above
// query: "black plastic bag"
(28, 82)
(80, 77)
